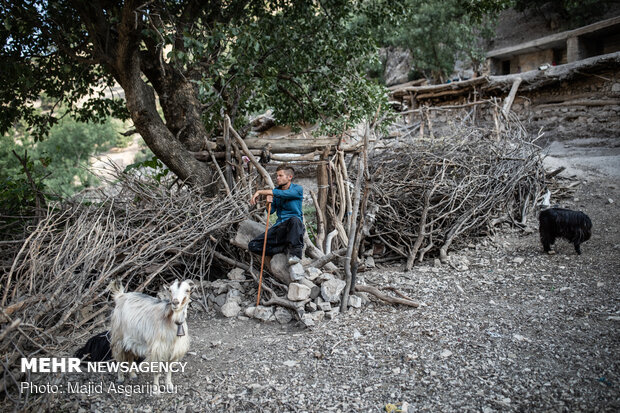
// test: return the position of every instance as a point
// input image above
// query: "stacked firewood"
(144, 234)
(432, 192)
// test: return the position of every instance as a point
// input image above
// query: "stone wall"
(589, 105)
(585, 106)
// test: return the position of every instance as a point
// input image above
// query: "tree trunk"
(185, 130)
(141, 104)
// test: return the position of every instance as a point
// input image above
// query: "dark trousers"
(286, 236)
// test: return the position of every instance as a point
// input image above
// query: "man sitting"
(287, 235)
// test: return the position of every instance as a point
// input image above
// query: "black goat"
(97, 348)
(574, 226)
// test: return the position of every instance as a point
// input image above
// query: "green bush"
(59, 164)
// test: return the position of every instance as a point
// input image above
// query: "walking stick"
(262, 260)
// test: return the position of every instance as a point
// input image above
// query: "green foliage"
(17, 192)
(59, 164)
(32, 63)
(152, 167)
(574, 13)
(304, 59)
(69, 146)
(309, 212)
(439, 32)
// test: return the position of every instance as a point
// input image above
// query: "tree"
(57, 166)
(437, 33)
(196, 60)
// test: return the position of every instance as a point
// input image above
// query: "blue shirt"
(287, 203)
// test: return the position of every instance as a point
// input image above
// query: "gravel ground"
(513, 330)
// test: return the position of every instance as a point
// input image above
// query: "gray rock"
(324, 306)
(263, 313)
(330, 315)
(323, 277)
(219, 286)
(280, 268)
(210, 299)
(307, 320)
(518, 260)
(298, 292)
(436, 263)
(355, 301)
(230, 309)
(220, 300)
(249, 312)
(397, 64)
(311, 306)
(317, 316)
(370, 262)
(248, 230)
(282, 315)
(236, 274)
(312, 273)
(296, 272)
(234, 295)
(331, 290)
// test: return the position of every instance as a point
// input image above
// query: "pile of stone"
(316, 294)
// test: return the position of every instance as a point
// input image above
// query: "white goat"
(150, 328)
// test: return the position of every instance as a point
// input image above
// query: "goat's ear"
(192, 285)
(174, 283)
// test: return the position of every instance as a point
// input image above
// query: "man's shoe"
(293, 259)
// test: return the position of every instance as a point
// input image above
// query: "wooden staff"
(262, 260)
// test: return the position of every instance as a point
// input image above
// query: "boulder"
(263, 313)
(332, 289)
(398, 63)
(231, 309)
(249, 312)
(323, 277)
(298, 292)
(307, 320)
(312, 273)
(317, 316)
(296, 272)
(220, 300)
(330, 315)
(247, 231)
(280, 269)
(282, 315)
(234, 296)
(355, 301)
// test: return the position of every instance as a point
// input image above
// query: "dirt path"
(515, 331)
(121, 157)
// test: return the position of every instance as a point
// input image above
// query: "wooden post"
(249, 154)
(348, 262)
(422, 122)
(227, 144)
(414, 105)
(322, 185)
(511, 97)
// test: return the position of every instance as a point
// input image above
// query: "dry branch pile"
(144, 234)
(433, 192)
(417, 198)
